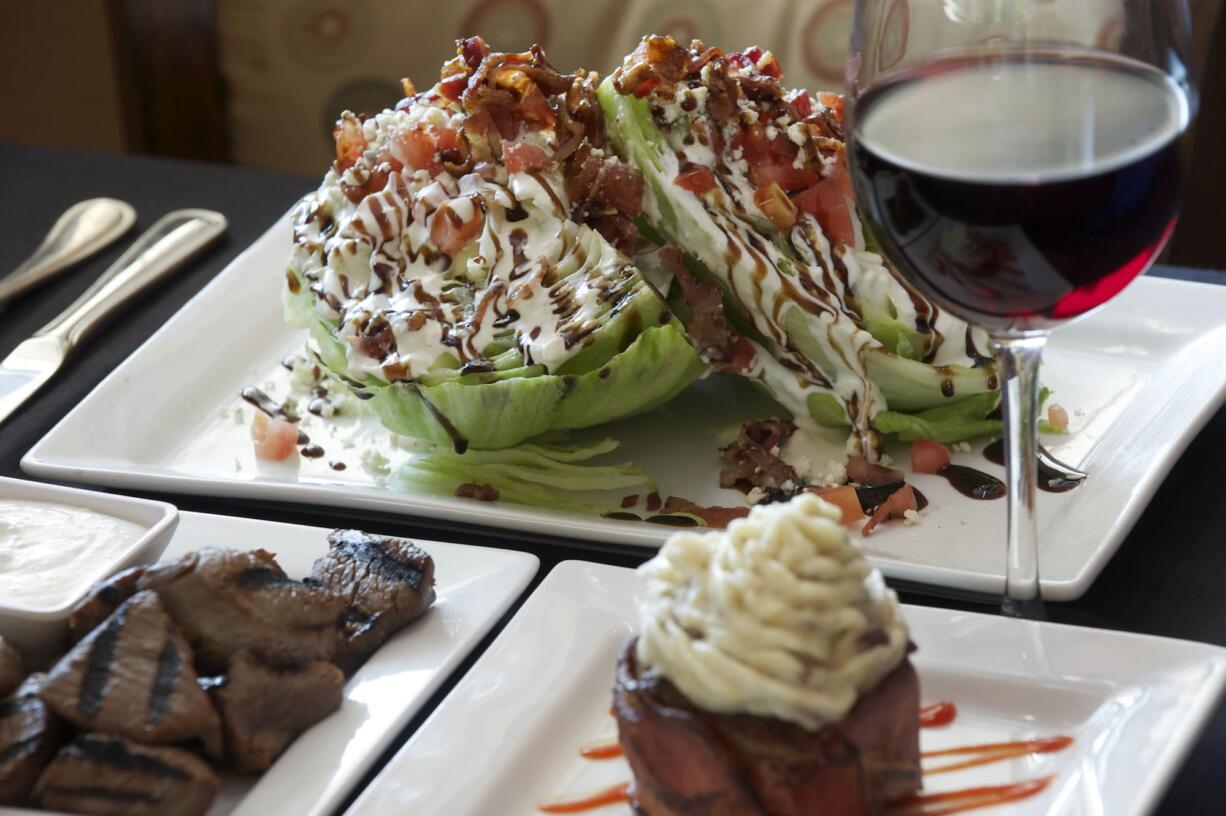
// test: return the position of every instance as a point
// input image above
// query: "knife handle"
(171, 241)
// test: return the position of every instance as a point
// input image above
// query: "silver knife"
(83, 229)
(163, 247)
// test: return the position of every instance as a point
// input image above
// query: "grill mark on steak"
(366, 550)
(388, 583)
(226, 601)
(105, 775)
(102, 600)
(170, 664)
(262, 578)
(29, 738)
(98, 666)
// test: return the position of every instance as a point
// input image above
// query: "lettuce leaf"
(953, 422)
(557, 477)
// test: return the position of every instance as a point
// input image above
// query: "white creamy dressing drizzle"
(50, 553)
(842, 343)
(777, 616)
(379, 261)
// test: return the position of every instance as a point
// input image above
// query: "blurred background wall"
(260, 82)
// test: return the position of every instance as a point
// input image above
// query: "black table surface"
(1167, 578)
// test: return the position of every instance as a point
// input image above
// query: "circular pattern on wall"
(361, 95)
(824, 40)
(508, 25)
(328, 33)
(684, 20)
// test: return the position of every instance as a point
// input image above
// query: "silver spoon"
(82, 230)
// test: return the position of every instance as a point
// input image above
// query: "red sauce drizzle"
(610, 750)
(959, 801)
(608, 796)
(995, 752)
(938, 714)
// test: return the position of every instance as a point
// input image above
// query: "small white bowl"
(41, 634)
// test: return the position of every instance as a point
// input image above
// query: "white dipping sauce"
(50, 553)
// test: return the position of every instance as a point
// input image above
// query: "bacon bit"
(350, 141)
(408, 87)
(863, 472)
(521, 156)
(449, 233)
(708, 328)
(717, 518)
(1057, 417)
(843, 497)
(755, 458)
(472, 50)
(620, 186)
(801, 102)
(653, 501)
(453, 87)
(775, 205)
(657, 63)
(630, 501)
(480, 492)
(895, 507)
(928, 456)
(275, 439)
(696, 178)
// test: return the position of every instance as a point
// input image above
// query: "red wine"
(1019, 192)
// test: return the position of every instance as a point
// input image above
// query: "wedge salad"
(515, 253)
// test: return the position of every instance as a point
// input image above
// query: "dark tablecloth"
(1168, 578)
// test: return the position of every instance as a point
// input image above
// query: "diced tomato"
(775, 205)
(829, 202)
(1057, 417)
(801, 103)
(843, 497)
(275, 439)
(769, 66)
(753, 53)
(419, 146)
(449, 233)
(928, 456)
(833, 101)
(789, 178)
(521, 157)
(696, 178)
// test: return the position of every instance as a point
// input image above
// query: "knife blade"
(165, 246)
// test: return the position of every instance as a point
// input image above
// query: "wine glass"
(1019, 163)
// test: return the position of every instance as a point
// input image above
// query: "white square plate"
(1139, 378)
(1132, 704)
(475, 586)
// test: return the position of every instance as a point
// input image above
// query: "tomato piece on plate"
(843, 497)
(275, 439)
(829, 202)
(696, 178)
(928, 456)
(1057, 417)
(522, 157)
(451, 234)
(895, 507)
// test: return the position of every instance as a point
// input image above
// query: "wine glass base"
(1029, 609)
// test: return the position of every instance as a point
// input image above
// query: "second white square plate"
(1132, 704)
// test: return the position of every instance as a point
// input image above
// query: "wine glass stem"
(1018, 359)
